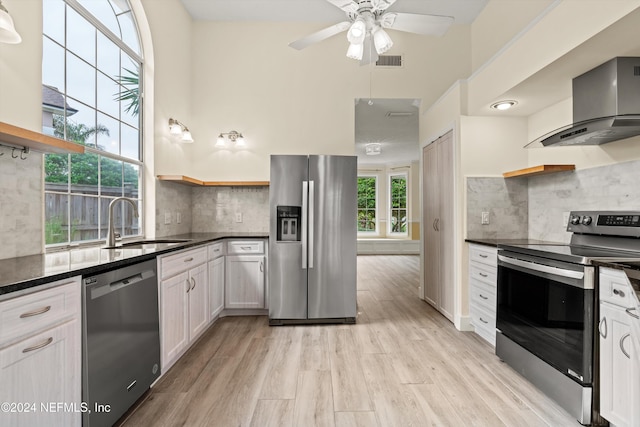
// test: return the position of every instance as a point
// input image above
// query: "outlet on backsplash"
(178, 217)
(167, 217)
(485, 218)
(238, 216)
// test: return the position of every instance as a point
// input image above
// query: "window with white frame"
(91, 87)
(398, 214)
(367, 204)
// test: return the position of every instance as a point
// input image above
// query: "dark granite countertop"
(496, 242)
(23, 273)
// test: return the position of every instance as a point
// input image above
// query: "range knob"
(586, 220)
(575, 219)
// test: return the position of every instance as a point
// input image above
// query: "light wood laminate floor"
(401, 364)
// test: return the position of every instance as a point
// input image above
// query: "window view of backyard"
(91, 64)
(367, 203)
(398, 185)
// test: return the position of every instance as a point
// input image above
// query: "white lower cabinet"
(40, 357)
(184, 304)
(617, 401)
(483, 273)
(245, 281)
(216, 287)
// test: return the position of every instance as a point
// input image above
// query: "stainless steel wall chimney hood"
(606, 106)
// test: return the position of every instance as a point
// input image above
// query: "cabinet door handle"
(46, 343)
(434, 225)
(483, 274)
(261, 266)
(624, 337)
(35, 312)
(483, 297)
(188, 285)
(245, 248)
(629, 312)
(483, 256)
(437, 224)
(188, 259)
(483, 321)
(603, 322)
(619, 293)
(194, 283)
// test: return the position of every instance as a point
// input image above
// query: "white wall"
(285, 101)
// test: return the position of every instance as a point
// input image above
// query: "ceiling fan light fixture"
(355, 51)
(381, 40)
(357, 31)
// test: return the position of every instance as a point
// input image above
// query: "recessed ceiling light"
(503, 105)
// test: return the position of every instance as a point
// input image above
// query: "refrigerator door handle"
(305, 201)
(311, 211)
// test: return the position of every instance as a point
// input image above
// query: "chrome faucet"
(111, 232)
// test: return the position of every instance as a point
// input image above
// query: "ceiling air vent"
(389, 61)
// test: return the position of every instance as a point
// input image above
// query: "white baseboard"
(463, 323)
(388, 247)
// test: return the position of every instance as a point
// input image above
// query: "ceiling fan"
(367, 20)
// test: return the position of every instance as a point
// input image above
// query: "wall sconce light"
(373, 149)
(8, 33)
(177, 128)
(235, 137)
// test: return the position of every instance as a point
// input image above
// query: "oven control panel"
(611, 223)
(619, 220)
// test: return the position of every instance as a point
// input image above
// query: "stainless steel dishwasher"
(121, 340)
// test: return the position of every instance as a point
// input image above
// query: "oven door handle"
(542, 268)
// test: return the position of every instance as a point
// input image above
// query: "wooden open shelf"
(20, 137)
(538, 170)
(187, 180)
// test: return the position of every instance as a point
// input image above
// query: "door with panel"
(198, 301)
(438, 224)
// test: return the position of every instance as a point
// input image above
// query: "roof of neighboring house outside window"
(53, 100)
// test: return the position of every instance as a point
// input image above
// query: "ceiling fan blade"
(321, 35)
(348, 6)
(427, 25)
(369, 54)
(381, 4)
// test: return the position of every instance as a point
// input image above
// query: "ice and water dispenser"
(289, 225)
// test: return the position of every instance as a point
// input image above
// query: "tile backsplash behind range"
(610, 187)
(536, 207)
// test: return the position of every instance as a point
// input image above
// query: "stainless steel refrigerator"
(312, 239)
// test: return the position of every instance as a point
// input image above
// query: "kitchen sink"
(147, 242)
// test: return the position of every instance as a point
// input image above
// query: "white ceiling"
(398, 135)
(464, 11)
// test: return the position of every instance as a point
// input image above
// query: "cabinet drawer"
(615, 288)
(484, 255)
(216, 250)
(483, 322)
(483, 295)
(483, 273)
(174, 264)
(28, 314)
(245, 247)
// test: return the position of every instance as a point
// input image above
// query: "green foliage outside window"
(367, 203)
(399, 204)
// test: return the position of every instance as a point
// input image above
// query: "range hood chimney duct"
(606, 106)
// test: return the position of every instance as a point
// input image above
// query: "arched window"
(91, 91)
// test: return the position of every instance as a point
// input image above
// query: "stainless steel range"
(547, 306)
